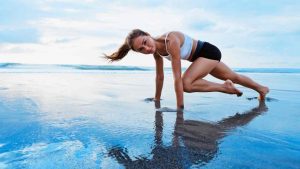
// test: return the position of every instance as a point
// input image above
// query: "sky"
(250, 33)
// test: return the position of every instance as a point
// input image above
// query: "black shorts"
(206, 50)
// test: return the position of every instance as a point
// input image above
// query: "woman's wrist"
(156, 98)
(180, 107)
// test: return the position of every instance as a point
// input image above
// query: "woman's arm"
(159, 76)
(173, 47)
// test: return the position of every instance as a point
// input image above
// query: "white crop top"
(185, 49)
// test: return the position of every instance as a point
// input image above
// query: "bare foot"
(231, 89)
(263, 92)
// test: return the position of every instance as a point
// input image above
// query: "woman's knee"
(187, 85)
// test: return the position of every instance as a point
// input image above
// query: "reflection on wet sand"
(194, 142)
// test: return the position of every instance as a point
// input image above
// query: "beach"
(100, 117)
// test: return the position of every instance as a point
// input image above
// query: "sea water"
(79, 116)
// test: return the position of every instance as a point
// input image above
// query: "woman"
(205, 59)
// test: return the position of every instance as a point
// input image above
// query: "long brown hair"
(127, 45)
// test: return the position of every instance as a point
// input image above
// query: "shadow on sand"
(194, 142)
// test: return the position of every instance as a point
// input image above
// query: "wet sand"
(101, 120)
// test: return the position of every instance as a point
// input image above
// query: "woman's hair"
(127, 45)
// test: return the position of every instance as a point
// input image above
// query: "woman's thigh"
(199, 69)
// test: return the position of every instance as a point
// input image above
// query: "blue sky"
(250, 33)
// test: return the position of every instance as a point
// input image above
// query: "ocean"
(89, 116)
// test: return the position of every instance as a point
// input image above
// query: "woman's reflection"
(194, 142)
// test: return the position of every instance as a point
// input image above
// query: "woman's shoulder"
(175, 37)
(170, 36)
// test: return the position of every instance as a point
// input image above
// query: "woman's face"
(144, 44)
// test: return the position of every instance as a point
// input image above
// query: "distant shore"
(6, 67)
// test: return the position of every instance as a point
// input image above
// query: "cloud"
(8, 49)
(65, 40)
(80, 30)
(110, 46)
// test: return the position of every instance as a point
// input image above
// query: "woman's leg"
(193, 82)
(223, 72)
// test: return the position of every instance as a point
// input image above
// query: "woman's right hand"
(152, 99)
(167, 109)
